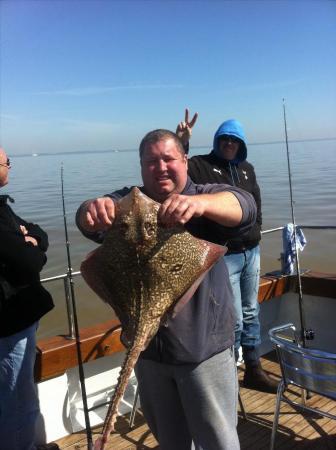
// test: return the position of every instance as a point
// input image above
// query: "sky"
(97, 75)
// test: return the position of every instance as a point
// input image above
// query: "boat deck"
(295, 430)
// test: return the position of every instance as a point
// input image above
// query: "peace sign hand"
(184, 129)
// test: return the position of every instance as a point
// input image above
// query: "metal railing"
(66, 277)
(68, 303)
(304, 227)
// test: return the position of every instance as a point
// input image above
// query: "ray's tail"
(131, 358)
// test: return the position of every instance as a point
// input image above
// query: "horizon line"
(74, 152)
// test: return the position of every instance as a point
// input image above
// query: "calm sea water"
(35, 183)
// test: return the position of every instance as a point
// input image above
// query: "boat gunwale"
(57, 354)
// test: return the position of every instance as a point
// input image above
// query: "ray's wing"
(143, 270)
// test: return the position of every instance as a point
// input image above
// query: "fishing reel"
(309, 334)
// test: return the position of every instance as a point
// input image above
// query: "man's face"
(4, 169)
(228, 147)
(163, 169)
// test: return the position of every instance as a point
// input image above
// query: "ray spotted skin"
(142, 269)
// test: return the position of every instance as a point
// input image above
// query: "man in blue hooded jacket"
(227, 164)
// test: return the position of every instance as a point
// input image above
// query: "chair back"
(311, 369)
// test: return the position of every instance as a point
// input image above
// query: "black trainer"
(51, 446)
(256, 378)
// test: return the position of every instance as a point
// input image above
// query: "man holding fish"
(184, 396)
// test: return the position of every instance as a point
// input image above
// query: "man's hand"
(97, 214)
(27, 238)
(220, 207)
(23, 229)
(179, 209)
(32, 240)
(184, 129)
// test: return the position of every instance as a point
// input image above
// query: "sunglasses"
(227, 138)
(7, 163)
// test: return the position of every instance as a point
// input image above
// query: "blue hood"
(232, 128)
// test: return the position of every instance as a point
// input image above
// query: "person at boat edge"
(23, 301)
(227, 163)
(183, 394)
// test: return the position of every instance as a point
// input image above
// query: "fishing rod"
(75, 320)
(306, 334)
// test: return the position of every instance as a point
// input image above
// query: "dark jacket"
(212, 168)
(205, 325)
(23, 300)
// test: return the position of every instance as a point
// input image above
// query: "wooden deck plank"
(294, 427)
(296, 431)
(124, 438)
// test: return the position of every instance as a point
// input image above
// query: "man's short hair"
(160, 135)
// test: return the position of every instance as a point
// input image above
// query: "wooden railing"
(57, 354)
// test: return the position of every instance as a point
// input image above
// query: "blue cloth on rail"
(289, 246)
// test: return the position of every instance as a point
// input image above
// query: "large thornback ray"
(144, 271)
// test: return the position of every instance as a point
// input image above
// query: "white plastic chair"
(310, 369)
